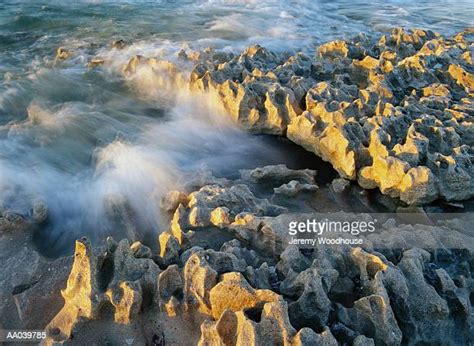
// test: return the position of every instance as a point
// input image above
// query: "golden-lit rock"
(334, 49)
(330, 103)
(177, 223)
(462, 77)
(172, 307)
(127, 300)
(220, 216)
(233, 285)
(132, 64)
(199, 278)
(328, 142)
(95, 62)
(273, 328)
(63, 53)
(82, 297)
(436, 90)
(116, 277)
(169, 247)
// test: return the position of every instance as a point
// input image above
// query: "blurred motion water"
(73, 136)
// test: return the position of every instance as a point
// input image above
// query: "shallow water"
(75, 138)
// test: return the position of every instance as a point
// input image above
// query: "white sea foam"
(142, 157)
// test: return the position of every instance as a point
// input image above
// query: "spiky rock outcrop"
(394, 113)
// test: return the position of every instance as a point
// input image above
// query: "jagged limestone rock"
(140, 251)
(294, 188)
(362, 340)
(334, 104)
(127, 300)
(311, 306)
(393, 114)
(377, 296)
(261, 277)
(236, 247)
(119, 44)
(278, 174)
(170, 291)
(292, 260)
(172, 200)
(128, 267)
(372, 315)
(87, 291)
(339, 185)
(11, 221)
(306, 336)
(220, 216)
(199, 278)
(63, 53)
(82, 297)
(170, 283)
(237, 198)
(40, 212)
(271, 328)
(232, 285)
(169, 248)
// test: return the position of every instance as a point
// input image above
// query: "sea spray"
(86, 161)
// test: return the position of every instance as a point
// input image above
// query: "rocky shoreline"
(225, 274)
(393, 113)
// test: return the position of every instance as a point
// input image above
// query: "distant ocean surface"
(75, 137)
(31, 30)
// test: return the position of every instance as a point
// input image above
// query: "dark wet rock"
(40, 212)
(340, 185)
(119, 44)
(311, 306)
(11, 221)
(278, 174)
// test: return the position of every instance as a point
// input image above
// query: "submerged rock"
(119, 44)
(340, 185)
(63, 53)
(11, 221)
(39, 212)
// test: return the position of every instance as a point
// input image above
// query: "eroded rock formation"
(408, 284)
(393, 113)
